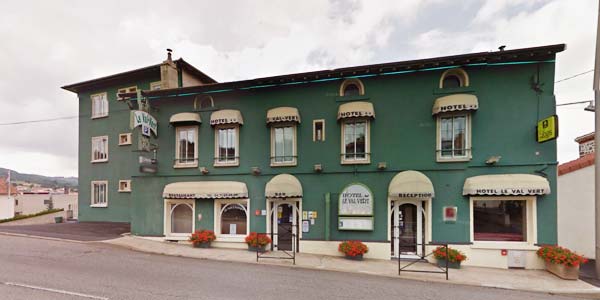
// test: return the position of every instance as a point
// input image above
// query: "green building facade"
(397, 155)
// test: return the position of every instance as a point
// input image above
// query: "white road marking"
(54, 290)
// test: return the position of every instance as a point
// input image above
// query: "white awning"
(185, 117)
(411, 184)
(283, 186)
(356, 109)
(205, 190)
(283, 114)
(226, 116)
(506, 184)
(455, 102)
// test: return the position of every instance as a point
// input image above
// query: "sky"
(47, 44)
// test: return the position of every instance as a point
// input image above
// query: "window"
(99, 105)
(500, 220)
(155, 85)
(352, 87)
(124, 139)
(182, 218)
(203, 102)
(318, 130)
(186, 147)
(233, 218)
(124, 185)
(454, 78)
(454, 137)
(131, 89)
(99, 194)
(226, 144)
(99, 149)
(355, 135)
(283, 145)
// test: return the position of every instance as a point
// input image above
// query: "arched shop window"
(234, 219)
(181, 218)
(454, 78)
(352, 87)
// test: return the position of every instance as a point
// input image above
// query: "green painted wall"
(402, 134)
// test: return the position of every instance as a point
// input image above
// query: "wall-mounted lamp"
(318, 168)
(493, 160)
(382, 165)
(256, 170)
(203, 170)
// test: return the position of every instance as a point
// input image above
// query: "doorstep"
(514, 279)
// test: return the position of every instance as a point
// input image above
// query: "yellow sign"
(547, 129)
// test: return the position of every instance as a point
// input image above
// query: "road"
(44, 269)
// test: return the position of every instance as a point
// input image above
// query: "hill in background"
(44, 181)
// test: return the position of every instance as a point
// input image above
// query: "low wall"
(43, 219)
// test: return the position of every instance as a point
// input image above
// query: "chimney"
(169, 77)
(586, 144)
(169, 57)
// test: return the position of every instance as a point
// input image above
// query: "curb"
(51, 238)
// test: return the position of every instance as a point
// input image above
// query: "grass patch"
(21, 217)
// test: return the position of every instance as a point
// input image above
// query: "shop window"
(318, 130)
(124, 139)
(283, 145)
(454, 137)
(127, 90)
(99, 105)
(154, 86)
(186, 149)
(99, 194)
(182, 218)
(227, 145)
(355, 137)
(352, 87)
(233, 218)
(454, 78)
(124, 186)
(500, 220)
(99, 149)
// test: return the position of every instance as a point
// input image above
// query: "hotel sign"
(455, 107)
(215, 195)
(356, 200)
(547, 129)
(511, 191)
(146, 121)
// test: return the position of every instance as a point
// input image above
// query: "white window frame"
(367, 159)
(94, 139)
(236, 161)
(461, 74)
(468, 151)
(127, 140)
(355, 81)
(531, 215)
(94, 203)
(167, 218)
(126, 189)
(294, 160)
(322, 121)
(154, 85)
(125, 90)
(178, 163)
(104, 105)
(218, 209)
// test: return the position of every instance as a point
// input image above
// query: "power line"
(576, 75)
(56, 119)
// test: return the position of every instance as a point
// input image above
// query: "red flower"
(257, 240)
(353, 248)
(202, 236)
(453, 254)
(561, 256)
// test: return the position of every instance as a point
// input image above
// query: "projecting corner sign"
(145, 120)
(547, 129)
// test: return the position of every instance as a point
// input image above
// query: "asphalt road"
(43, 269)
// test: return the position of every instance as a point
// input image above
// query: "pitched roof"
(584, 138)
(574, 165)
(4, 187)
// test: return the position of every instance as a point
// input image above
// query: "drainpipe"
(327, 216)
(597, 139)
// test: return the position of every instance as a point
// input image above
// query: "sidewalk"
(525, 280)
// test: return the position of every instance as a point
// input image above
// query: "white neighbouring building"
(7, 202)
(576, 200)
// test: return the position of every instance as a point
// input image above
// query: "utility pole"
(597, 140)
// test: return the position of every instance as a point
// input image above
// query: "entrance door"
(408, 232)
(284, 225)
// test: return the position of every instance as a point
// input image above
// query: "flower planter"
(202, 245)
(58, 219)
(563, 271)
(257, 248)
(451, 265)
(357, 257)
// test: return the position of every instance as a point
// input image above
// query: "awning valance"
(506, 184)
(283, 186)
(205, 190)
(185, 117)
(356, 109)
(283, 114)
(226, 116)
(411, 184)
(454, 103)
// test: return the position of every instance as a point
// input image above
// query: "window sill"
(500, 245)
(355, 162)
(288, 164)
(124, 191)
(444, 160)
(219, 165)
(125, 144)
(231, 238)
(99, 117)
(99, 161)
(99, 205)
(185, 166)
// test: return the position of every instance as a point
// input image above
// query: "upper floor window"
(283, 145)
(154, 86)
(226, 145)
(352, 87)
(454, 78)
(454, 136)
(126, 90)
(355, 120)
(203, 102)
(99, 194)
(99, 149)
(318, 130)
(186, 148)
(99, 105)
